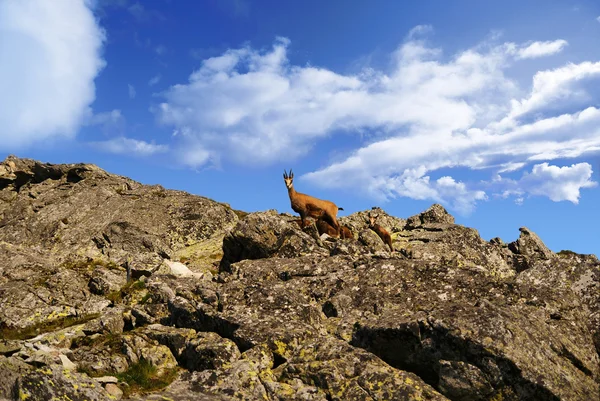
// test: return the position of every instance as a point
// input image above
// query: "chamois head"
(289, 179)
(371, 219)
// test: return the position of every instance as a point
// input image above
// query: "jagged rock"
(285, 315)
(372, 241)
(105, 281)
(137, 346)
(113, 391)
(530, 249)
(264, 235)
(11, 369)
(57, 383)
(182, 389)
(436, 214)
(8, 347)
(208, 351)
(570, 282)
(66, 362)
(110, 322)
(177, 339)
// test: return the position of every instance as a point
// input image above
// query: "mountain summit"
(112, 289)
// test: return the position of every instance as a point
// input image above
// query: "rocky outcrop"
(111, 289)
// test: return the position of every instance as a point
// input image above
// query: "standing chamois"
(307, 205)
(382, 232)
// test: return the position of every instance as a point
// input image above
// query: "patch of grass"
(44, 327)
(146, 298)
(142, 377)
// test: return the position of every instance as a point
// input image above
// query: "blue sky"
(490, 108)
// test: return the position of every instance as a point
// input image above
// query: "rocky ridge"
(112, 289)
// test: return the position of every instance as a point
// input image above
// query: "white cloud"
(154, 80)
(51, 54)
(562, 84)
(131, 90)
(129, 146)
(426, 113)
(419, 30)
(541, 49)
(598, 19)
(557, 183)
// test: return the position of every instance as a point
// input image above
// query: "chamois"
(307, 205)
(382, 232)
(324, 227)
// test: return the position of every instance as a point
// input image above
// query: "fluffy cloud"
(426, 113)
(554, 182)
(129, 146)
(540, 49)
(50, 54)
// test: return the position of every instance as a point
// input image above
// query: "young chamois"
(382, 232)
(324, 227)
(307, 205)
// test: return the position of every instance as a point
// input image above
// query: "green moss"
(143, 377)
(90, 265)
(117, 296)
(146, 298)
(61, 322)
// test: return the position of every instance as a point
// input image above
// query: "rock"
(231, 305)
(137, 346)
(11, 369)
(436, 214)
(54, 383)
(178, 269)
(372, 241)
(208, 351)
(8, 347)
(570, 284)
(66, 362)
(104, 281)
(106, 379)
(264, 235)
(113, 391)
(110, 322)
(531, 249)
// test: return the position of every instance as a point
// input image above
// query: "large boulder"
(529, 249)
(266, 234)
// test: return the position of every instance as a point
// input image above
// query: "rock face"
(224, 305)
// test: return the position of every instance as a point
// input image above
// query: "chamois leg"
(303, 217)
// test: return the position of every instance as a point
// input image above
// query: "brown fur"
(382, 232)
(324, 227)
(308, 206)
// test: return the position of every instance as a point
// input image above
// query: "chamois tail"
(340, 208)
